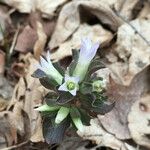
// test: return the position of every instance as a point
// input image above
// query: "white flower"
(87, 52)
(47, 67)
(70, 85)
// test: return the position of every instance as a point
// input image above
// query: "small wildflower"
(70, 85)
(87, 52)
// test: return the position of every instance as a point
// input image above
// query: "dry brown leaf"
(115, 122)
(26, 40)
(40, 43)
(73, 14)
(131, 49)
(7, 129)
(96, 32)
(2, 62)
(28, 93)
(127, 7)
(145, 11)
(47, 7)
(139, 121)
(95, 132)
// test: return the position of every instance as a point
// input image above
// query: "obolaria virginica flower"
(47, 67)
(87, 52)
(70, 84)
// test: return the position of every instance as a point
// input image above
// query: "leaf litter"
(60, 27)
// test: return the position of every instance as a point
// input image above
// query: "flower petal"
(63, 87)
(73, 92)
(43, 62)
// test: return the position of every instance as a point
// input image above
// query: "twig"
(15, 146)
(120, 16)
(14, 41)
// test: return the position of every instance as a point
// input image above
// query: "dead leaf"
(95, 132)
(47, 7)
(131, 49)
(139, 121)
(40, 43)
(2, 62)
(96, 32)
(115, 122)
(7, 130)
(72, 15)
(26, 40)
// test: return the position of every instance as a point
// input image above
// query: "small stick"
(15, 146)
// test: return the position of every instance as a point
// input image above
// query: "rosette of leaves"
(75, 95)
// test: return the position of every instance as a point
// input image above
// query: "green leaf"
(38, 74)
(47, 108)
(85, 117)
(76, 118)
(62, 114)
(75, 57)
(51, 98)
(48, 82)
(86, 87)
(54, 133)
(64, 97)
(59, 68)
(95, 65)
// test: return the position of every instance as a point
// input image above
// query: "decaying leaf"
(96, 32)
(47, 7)
(40, 43)
(27, 94)
(7, 128)
(132, 50)
(70, 19)
(26, 40)
(115, 122)
(139, 121)
(96, 133)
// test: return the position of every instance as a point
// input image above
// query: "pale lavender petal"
(92, 52)
(88, 43)
(76, 79)
(63, 87)
(67, 77)
(73, 92)
(43, 62)
(48, 57)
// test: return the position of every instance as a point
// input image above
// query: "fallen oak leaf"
(116, 121)
(139, 126)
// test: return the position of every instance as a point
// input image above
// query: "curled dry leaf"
(96, 32)
(116, 122)
(47, 7)
(73, 14)
(7, 128)
(139, 121)
(131, 49)
(40, 43)
(27, 94)
(145, 11)
(26, 40)
(95, 132)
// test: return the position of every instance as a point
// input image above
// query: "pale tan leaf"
(40, 43)
(139, 121)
